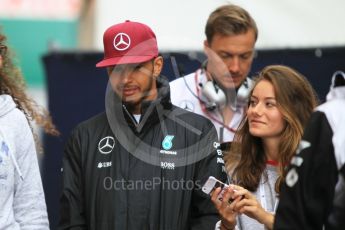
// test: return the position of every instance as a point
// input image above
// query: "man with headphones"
(220, 88)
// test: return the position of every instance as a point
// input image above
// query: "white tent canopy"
(179, 24)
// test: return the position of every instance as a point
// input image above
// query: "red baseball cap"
(128, 42)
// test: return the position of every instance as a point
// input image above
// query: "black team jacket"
(119, 174)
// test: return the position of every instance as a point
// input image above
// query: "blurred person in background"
(279, 107)
(22, 199)
(313, 195)
(219, 89)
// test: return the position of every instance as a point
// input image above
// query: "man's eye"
(224, 56)
(245, 56)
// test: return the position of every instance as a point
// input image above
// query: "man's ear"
(207, 48)
(206, 44)
(157, 66)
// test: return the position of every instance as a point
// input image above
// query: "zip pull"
(130, 115)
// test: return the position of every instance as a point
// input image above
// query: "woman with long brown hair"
(22, 199)
(281, 103)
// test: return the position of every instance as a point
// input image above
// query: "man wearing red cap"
(140, 164)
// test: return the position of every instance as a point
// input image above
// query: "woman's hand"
(225, 208)
(251, 207)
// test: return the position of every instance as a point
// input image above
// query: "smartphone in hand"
(211, 184)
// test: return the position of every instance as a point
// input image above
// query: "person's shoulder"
(15, 118)
(93, 122)
(191, 117)
(90, 128)
(15, 126)
(333, 110)
(182, 89)
(335, 105)
(16, 129)
(17, 114)
(182, 80)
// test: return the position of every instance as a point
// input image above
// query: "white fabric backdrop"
(179, 24)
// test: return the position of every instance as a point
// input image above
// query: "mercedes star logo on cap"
(122, 42)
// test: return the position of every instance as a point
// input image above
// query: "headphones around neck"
(214, 94)
(216, 97)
